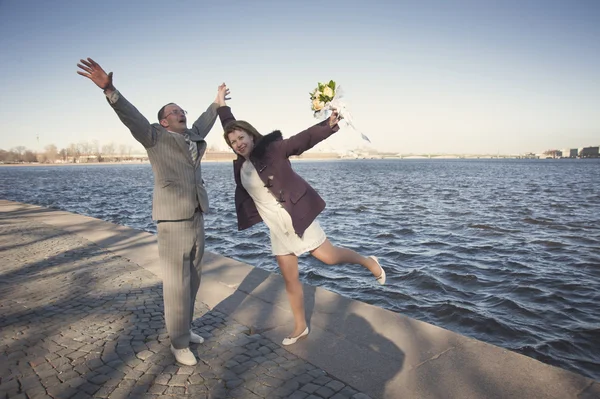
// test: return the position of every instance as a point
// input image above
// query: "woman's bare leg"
(288, 264)
(332, 255)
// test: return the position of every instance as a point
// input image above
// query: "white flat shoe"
(381, 278)
(195, 338)
(290, 341)
(184, 356)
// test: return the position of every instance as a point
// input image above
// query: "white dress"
(284, 240)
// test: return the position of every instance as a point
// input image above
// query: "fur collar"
(261, 147)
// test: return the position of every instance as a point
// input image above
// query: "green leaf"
(332, 84)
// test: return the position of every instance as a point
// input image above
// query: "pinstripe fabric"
(181, 243)
(178, 192)
(178, 184)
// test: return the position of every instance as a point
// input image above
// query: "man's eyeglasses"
(176, 112)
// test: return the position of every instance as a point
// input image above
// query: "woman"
(267, 189)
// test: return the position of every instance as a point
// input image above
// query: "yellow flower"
(317, 105)
(328, 92)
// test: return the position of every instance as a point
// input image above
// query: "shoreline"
(32, 164)
(302, 159)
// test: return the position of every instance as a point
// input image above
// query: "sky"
(453, 77)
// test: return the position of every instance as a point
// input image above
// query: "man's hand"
(334, 118)
(222, 95)
(91, 70)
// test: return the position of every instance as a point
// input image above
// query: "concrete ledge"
(382, 353)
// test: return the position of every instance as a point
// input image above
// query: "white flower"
(321, 97)
(317, 105)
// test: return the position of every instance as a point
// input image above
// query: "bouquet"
(327, 97)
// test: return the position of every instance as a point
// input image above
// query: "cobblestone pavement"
(77, 321)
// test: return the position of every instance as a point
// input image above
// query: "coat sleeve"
(225, 115)
(308, 138)
(137, 124)
(206, 121)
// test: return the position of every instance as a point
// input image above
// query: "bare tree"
(50, 153)
(122, 151)
(95, 150)
(85, 148)
(63, 154)
(19, 151)
(29, 156)
(5, 156)
(95, 147)
(108, 150)
(73, 152)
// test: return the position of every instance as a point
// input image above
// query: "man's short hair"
(161, 112)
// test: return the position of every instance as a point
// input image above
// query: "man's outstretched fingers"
(88, 70)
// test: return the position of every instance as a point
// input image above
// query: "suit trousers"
(180, 249)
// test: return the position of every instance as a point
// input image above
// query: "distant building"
(573, 153)
(589, 152)
(569, 153)
(553, 154)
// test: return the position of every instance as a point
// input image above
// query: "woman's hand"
(334, 118)
(222, 95)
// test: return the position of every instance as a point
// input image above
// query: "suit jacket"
(178, 185)
(270, 157)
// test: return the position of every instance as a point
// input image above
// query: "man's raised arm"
(139, 126)
(207, 120)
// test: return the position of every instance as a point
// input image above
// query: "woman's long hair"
(244, 126)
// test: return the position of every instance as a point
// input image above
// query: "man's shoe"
(184, 356)
(195, 338)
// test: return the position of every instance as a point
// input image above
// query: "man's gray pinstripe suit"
(178, 203)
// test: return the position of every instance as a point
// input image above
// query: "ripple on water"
(482, 247)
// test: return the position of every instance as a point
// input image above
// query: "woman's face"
(241, 142)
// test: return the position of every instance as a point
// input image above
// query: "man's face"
(174, 119)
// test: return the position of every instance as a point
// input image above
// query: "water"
(505, 251)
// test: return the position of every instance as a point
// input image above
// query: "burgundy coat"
(270, 157)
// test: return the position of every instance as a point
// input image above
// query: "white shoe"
(290, 341)
(381, 278)
(184, 356)
(195, 338)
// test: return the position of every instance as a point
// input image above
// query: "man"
(179, 199)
